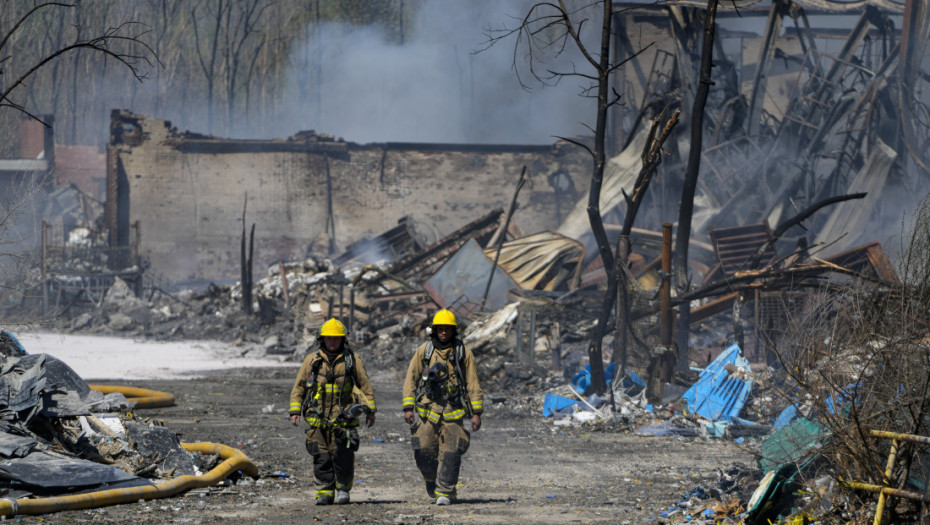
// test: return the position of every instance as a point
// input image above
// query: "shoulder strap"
(459, 351)
(349, 358)
(457, 355)
(315, 365)
(428, 354)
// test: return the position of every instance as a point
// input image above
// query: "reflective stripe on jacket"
(331, 397)
(444, 409)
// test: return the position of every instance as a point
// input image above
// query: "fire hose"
(233, 460)
(142, 397)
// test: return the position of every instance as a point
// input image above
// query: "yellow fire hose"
(233, 460)
(143, 397)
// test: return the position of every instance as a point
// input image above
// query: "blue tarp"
(631, 382)
(553, 403)
(582, 380)
(717, 395)
(789, 414)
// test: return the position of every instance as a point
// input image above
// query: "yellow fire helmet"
(444, 317)
(333, 328)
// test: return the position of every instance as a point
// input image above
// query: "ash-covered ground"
(520, 467)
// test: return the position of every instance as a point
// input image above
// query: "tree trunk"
(598, 385)
(690, 185)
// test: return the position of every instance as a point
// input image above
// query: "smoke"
(440, 83)
(436, 86)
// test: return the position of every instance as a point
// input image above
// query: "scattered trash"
(45, 402)
(666, 428)
(555, 403)
(581, 382)
(723, 387)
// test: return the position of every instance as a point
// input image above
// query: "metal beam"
(766, 53)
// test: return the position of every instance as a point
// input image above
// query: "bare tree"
(170, 26)
(686, 208)
(551, 28)
(207, 58)
(233, 64)
(240, 27)
(114, 42)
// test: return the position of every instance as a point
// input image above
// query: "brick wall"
(83, 166)
(190, 204)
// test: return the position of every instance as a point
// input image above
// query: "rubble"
(58, 436)
(761, 272)
(541, 316)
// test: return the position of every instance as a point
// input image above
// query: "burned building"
(309, 193)
(800, 112)
(810, 99)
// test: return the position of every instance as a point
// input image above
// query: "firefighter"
(323, 395)
(442, 386)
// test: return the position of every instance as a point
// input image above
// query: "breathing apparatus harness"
(435, 380)
(315, 395)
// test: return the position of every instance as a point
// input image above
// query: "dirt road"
(519, 469)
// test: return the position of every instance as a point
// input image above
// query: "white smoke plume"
(436, 86)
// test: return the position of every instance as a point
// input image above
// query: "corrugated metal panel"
(459, 285)
(735, 246)
(718, 394)
(543, 261)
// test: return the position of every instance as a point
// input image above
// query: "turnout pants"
(437, 450)
(333, 450)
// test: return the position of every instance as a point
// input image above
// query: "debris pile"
(798, 323)
(59, 436)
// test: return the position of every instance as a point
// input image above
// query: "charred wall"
(187, 192)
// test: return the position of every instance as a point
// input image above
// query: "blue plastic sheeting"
(582, 380)
(789, 414)
(631, 382)
(844, 397)
(717, 428)
(11, 340)
(792, 411)
(717, 395)
(553, 403)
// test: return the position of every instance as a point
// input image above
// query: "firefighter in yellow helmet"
(440, 391)
(323, 396)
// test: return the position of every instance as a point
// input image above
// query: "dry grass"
(855, 358)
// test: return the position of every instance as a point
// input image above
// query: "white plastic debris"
(583, 416)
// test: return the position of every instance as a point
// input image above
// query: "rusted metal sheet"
(735, 246)
(439, 251)
(870, 260)
(459, 285)
(593, 274)
(543, 261)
